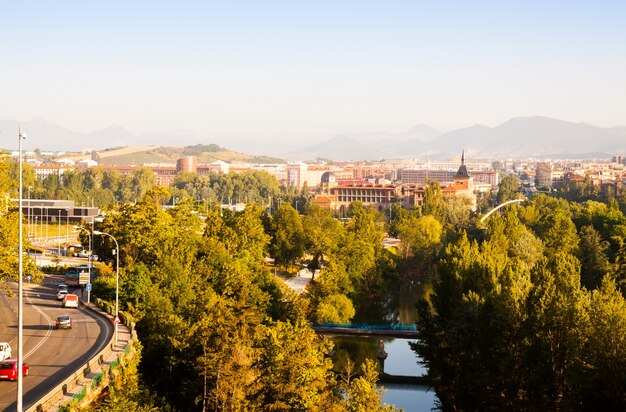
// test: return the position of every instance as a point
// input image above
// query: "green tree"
(604, 378)
(421, 237)
(457, 211)
(592, 255)
(558, 232)
(433, 201)
(559, 325)
(296, 373)
(335, 308)
(361, 251)
(508, 189)
(362, 393)
(322, 234)
(288, 239)
(142, 181)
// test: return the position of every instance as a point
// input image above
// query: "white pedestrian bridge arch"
(500, 206)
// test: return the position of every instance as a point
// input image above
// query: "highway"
(51, 354)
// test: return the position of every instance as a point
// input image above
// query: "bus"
(78, 275)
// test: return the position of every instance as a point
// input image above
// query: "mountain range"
(520, 137)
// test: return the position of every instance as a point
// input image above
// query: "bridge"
(356, 329)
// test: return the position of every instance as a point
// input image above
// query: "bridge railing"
(365, 326)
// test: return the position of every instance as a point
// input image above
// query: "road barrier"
(79, 377)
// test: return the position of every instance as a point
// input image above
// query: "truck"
(78, 275)
(5, 351)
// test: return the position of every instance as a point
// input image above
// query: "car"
(88, 255)
(8, 370)
(61, 286)
(70, 301)
(61, 294)
(5, 351)
(64, 322)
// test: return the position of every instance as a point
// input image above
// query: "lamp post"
(89, 256)
(59, 236)
(20, 287)
(117, 278)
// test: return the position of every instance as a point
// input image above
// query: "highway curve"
(52, 354)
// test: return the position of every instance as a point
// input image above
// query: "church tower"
(462, 178)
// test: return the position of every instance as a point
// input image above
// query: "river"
(401, 361)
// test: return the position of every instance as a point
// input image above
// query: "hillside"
(138, 155)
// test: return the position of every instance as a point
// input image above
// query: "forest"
(525, 311)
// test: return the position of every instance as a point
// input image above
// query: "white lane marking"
(48, 333)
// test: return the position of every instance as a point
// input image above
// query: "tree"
(398, 216)
(288, 239)
(296, 374)
(321, 233)
(361, 250)
(559, 325)
(558, 232)
(362, 393)
(603, 380)
(142, 181)
(592, 255)
(421, 239)
(457, 211)
(433, 201)
(508, 189)
(335, 308)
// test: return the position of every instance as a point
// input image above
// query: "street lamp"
(117, 278)
(59, 234)
(20, 287)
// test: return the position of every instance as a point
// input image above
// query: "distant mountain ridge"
(518, 137)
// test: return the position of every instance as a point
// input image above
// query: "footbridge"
(356, 329)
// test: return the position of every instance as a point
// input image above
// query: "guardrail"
(97, 380)
(59, 391)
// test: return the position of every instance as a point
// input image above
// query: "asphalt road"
(51, 354)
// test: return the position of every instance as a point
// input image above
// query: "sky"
(254, 70)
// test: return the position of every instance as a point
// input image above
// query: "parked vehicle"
(8, 370)
(70, 301)
(64, 322)
(5, 351)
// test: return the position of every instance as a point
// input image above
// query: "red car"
(8, 370)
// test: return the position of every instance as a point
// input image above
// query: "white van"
(70, 301)
(5, 351)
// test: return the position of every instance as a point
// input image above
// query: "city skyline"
(244, 71)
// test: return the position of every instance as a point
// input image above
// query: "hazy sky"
(259, 69)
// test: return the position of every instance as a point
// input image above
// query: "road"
(51, 354)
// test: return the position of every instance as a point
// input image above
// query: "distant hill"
(369, 146)
(169, 155)
(519, 137)
(535, 136)
(139, 155)
(341, 148)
